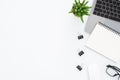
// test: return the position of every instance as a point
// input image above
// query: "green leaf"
(83, 2)
(86, 3)
(76, 2)
(79, 2)
(82, 19)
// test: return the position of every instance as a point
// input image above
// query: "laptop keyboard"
(108, 8)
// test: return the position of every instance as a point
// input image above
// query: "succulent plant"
(80, 9)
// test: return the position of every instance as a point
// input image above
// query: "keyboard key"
(94, 12)
(115, 15)
(113, 18)
(115, 11)
(118, 8)
(98, 14)
(115, 7)
(107, 8)
(111, 14)
(104, 11)
(110, 1)
(108, 12)
(106, 0)
(99, 10)
(111, 5)
(114, 2)
(107, 4)
(103, 7)
(118, 11)
(102, 15)
(106, 16)
(111, 9)
(119, 16)
(98, 6)
(103, 3)
(99, 2)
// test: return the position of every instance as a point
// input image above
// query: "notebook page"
(105, 42)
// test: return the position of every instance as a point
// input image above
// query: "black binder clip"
(79, 67)
(80, 53)
(80, 37)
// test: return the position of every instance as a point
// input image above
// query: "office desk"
(38, 41)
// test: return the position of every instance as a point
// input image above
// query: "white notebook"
(105, 41)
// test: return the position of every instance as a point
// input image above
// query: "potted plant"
(80, 9)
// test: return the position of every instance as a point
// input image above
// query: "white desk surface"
(38, 41)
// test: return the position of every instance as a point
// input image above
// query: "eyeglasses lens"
(111, 72)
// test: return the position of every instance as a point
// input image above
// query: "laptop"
(106, 12)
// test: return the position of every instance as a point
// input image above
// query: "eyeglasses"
(113, 71)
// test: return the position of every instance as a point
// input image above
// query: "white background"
(38, 41)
